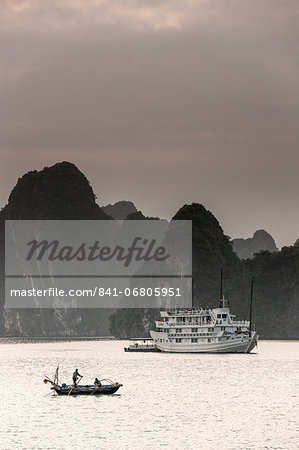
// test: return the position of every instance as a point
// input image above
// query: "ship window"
(193, 340)
(218, 316)
(224, 316)
(178, 341)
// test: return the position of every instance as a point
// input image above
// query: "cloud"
(190, 89)
(59, 15)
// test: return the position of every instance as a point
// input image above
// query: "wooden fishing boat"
(88, 389)
(105, 387)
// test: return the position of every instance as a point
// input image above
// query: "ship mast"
(251, 306)
(192, 304)
(221, 289)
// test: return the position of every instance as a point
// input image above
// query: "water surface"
(175, 401)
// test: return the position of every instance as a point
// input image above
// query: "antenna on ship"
(192, 302)
(251, 305)
(221, 289)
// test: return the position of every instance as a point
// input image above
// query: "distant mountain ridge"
(120, 210)
(261, 241)
(63, 192)
(125, 210)
(211, 251)
(59, 192)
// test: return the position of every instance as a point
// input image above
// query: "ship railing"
(197, 322)
(183, 312)
(191, 334)
(192, 324)
(240, 323)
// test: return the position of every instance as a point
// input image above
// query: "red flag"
(45, 381)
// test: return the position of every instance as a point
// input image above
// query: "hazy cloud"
(172, 100)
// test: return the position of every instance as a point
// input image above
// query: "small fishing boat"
(104, 387)
(142, 345)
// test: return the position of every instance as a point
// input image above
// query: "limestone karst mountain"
(57, 192)
(261, 241)
(63, 192)
(120, 210)
(276, 288)
(212, 251)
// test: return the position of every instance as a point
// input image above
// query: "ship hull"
(152, 349)
(245, 345)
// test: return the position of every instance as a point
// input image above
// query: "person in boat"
(76, 375)
(97, 382)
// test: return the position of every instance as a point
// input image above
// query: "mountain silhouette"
(120, 210)
(63, 192)
(261, 241)
(59, 192)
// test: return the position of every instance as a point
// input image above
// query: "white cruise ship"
(204, 331)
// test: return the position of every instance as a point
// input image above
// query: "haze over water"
(175, 401)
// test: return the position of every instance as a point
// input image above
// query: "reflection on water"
(168, 400)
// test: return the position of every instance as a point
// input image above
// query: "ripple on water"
(168, 401)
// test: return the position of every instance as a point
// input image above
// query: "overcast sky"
(161, 102)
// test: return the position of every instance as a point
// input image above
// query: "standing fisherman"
(75, 376)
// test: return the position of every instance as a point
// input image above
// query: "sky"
(160, 102)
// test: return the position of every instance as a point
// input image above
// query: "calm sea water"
(175, 401)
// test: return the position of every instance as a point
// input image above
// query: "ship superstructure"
(203, 331)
